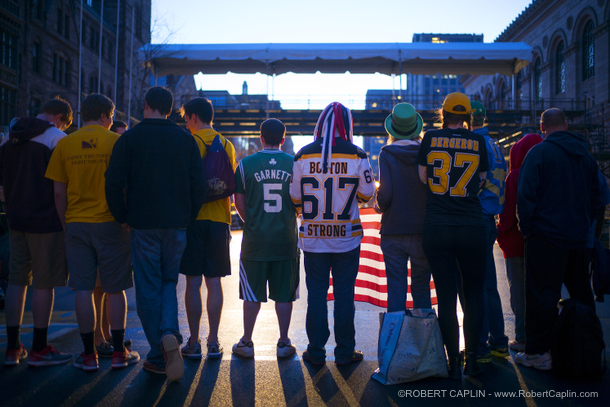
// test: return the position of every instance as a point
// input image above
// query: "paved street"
(267, 381)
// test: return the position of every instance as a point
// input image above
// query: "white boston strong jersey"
(328, 200)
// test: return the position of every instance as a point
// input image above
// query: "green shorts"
(282, 275)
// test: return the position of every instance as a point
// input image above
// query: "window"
(94, 39)
(67, 26)
(588, 52)
(110, 52)
(538, 79)
(560, 69)
(8, 49)
(61, 70)
(36, 57)
(37, 8)
(138, 18)
(109, 91)
(93, 84)
(8, 98)
(82, 81)
(60, 21)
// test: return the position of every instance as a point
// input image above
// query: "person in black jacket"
(558, 197)
(155, 184)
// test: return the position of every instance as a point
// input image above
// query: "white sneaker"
(244, 349)
(285, 349)
(541, 362)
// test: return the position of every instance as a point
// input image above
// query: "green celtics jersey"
(270, 227)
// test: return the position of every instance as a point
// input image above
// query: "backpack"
(218, 171)
(577, 347)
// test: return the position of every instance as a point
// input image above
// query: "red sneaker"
(14, 356)
(124, 359)
(48, 357)
(87, 362)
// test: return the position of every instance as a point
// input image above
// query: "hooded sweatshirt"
(559, 191)
(492, 194)
(401, 196)
(510, 238)
(29, 196)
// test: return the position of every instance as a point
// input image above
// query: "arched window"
(538, 79)
(501, 96)
(588, 52)
(518, 92)
(560, 69)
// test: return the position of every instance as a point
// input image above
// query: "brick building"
(40, 53)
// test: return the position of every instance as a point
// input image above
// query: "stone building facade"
(569, 69)
(40, 53)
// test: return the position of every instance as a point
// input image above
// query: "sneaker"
(500, 352)
(517, 346)
(214, 350)
(125, 358)
(244, 349)
(153, 368)
(285, 349)
(192, 351)
(104, 350)
(307, 358)
(48, 357)
(174, 365)
(87, 362)
(484, 358)
(14, 356)
(541, 362)
(357, 356)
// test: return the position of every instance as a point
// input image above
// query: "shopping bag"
(410, 347)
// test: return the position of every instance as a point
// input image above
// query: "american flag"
(371, 283)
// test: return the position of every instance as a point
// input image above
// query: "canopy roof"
(419, 58)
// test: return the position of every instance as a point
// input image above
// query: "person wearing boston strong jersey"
(330, 176)
(453, 162)
(269, 251)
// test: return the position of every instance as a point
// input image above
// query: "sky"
(313, 21)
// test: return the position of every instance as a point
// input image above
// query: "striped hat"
(334, 121)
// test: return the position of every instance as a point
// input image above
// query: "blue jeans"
(515, 274)
(397, 249)
(344, 270)
(493, 317)
(156, 262)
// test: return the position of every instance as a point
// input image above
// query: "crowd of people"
(115, 208)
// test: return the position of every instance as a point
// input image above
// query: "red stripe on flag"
(371, 277)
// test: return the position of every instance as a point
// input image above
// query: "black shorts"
(207, 250)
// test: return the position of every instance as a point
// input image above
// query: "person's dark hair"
(447, 118)
(201, 107)
(273, 131)
(553, 118)
(478, 120)
(117, 124)
(160, 99)
(94, 106)
(59, 106)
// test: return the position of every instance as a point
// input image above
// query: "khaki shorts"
(102, 246)
(37, 259)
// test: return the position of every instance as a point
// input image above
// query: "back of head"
(118, 124)
(479, 114)
(160, 99)
(200, 107)
(59, 106)
(96, 105)
(273, 131)
(553, 120)
(334, 121)
(456, 110)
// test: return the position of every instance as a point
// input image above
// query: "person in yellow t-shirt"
(207, 241)
(94, 240)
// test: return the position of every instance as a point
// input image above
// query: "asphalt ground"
(268, 381)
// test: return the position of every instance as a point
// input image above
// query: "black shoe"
(471, 366)
(455, 367)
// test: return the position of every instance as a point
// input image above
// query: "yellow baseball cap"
(457, 103)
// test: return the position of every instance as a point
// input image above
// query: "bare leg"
(14, 304)
(214, 306)
(85, 311)
(117, 310)
(98, 298)
(284, 314)
(194, 305)
(42, 306)
(251, 309)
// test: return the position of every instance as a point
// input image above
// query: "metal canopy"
(388, 58)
